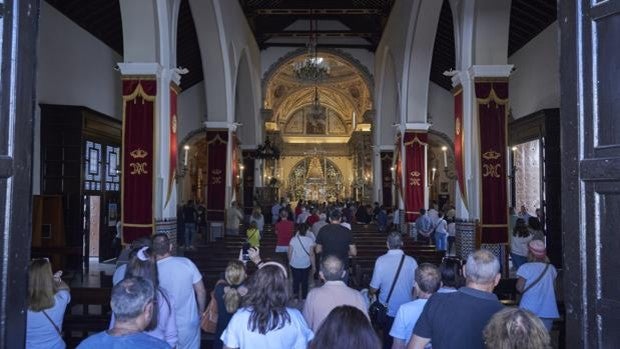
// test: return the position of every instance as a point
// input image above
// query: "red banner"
(398, 168)
(173, 141)
(217, 144)
(459, 143)
(137, 188)
(492, 101)
(415, 150)
(236, 177)
(387, 158)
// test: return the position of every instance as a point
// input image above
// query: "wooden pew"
(88, 313)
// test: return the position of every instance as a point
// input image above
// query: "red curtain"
(236, 180)
(138, 150)
(492, 101)
(415, 172)
(216, 174)
(387, 158)
(398, 168)
(459, 143)
(173, 140)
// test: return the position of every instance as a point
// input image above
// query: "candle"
(433, 175)
(186, 156)
(445, 156)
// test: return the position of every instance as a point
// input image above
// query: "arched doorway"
(326, 122)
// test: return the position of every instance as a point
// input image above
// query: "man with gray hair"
(322, 300)
(394, 272)
(469, 309)
(132, 304)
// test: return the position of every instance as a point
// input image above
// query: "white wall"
(73, 68)
(441, 109)
(535, 84)
(191, 109)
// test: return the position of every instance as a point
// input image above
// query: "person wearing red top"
(284, 231)
(298, 208)
(313, 218)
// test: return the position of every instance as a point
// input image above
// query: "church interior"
(142, 106)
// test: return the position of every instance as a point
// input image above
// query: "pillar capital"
(417, 126)
(481, 71)
(152, 68)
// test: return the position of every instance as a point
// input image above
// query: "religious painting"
(443, 187)
(315, 125)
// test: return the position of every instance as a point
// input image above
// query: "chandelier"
(313, 68)
(317, 111)
(267, 151)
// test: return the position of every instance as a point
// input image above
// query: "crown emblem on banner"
(174, 123)
(138, 153)
(216, 172)
(491, 155)
(458, 126)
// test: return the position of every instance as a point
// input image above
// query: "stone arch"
(245, 110)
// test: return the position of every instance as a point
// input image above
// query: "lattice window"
(92, 166)
(112, 178)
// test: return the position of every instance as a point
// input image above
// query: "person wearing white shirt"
(301, 260)
(441, 233)
(427, 282)
(384, 275)
(180, 277)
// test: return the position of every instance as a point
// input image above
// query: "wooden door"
(590, 126)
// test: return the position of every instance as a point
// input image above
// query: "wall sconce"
(181, 172)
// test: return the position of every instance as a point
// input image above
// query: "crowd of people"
(157, 299)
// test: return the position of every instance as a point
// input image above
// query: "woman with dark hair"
(346, 327)
(301, 260)
(519, 239)
(228, 295)
(48, 297)
(536, 228)
(163, 323)
(265, 321)
(451, 278)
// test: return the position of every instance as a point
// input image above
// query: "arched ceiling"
(345, 90)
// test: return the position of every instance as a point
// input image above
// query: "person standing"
(536, 283)
(47, 300)
(301, 260)
(519, 239)
(190, 218)
(334, 239)
(322, 300)
(234, 217)
(456, 320)
(228, 295)
(180, 277)
(423, 226)
(393, 271)
(427, 282)
(441, 233)
(257, 216)
(284, 232)
(275, 211)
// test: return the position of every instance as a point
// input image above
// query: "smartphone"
(244, 255)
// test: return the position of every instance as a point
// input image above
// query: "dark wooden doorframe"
(19, 23)
(590, 126)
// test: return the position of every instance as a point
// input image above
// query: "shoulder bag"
(53, 323)
(534, 283)
(302, 246)
(378, 310)
(208, 321)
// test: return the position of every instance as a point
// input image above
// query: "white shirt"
(303, 216)
(433, 215)
(540, 299)
(406, 318)
(442, 226)
(177, 275)
(294, 335)
(40, 333)
(452, 229)
(299, 258)
(518, 245)
(383, 276)
(346, 225)
(260, 222)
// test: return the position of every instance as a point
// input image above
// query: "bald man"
(333, 293)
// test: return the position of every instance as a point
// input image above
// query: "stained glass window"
(92, 166)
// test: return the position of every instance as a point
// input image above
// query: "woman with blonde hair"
(514, 328)
(228, 295)
(48, 297)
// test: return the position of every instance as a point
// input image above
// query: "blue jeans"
(441, 241)
(190, 230)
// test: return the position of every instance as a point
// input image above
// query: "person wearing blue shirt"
(427, 282)
(132, 305)
(384, 275)
(423, 226)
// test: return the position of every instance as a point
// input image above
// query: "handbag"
(53, 323)
(533, 283)
(302, 246)
(378, 311)
(208, 321)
